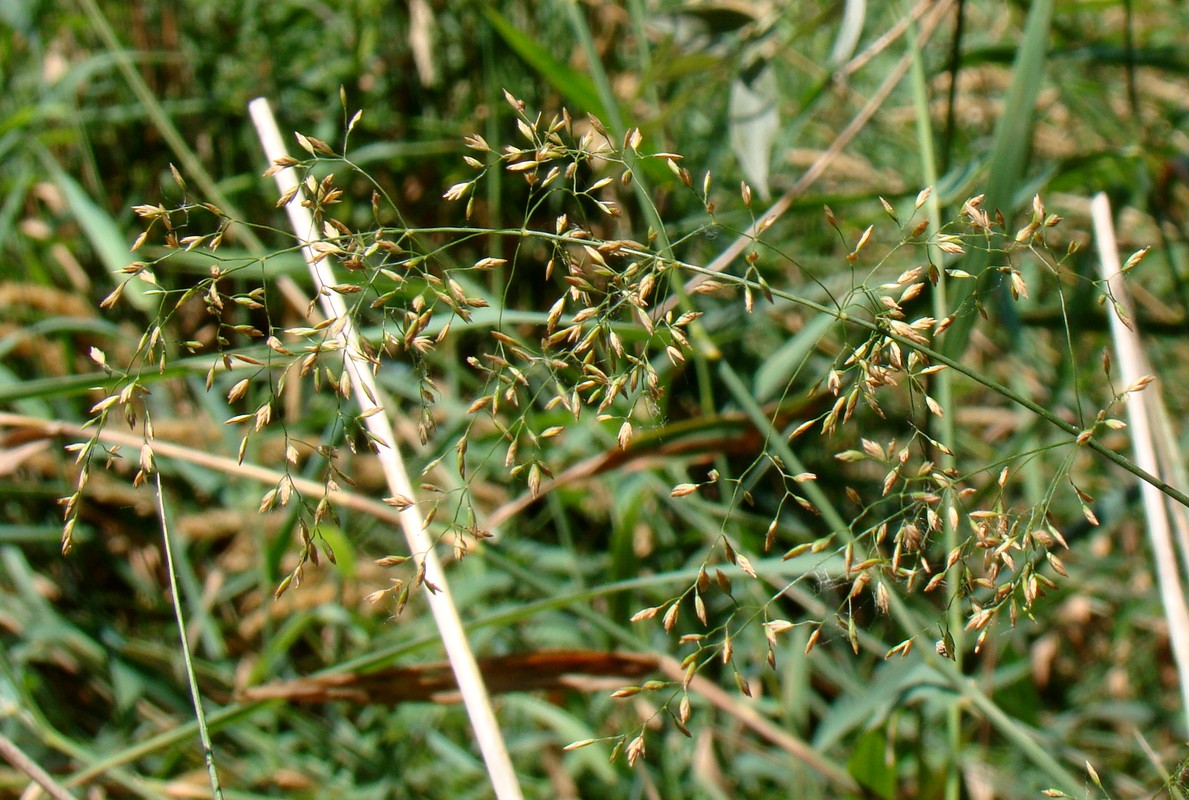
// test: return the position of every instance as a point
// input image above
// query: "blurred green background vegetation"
(1061, 99)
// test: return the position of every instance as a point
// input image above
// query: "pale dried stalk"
(15, 756)
(421, 546)
(1140, 406)
(162, 448)
(201, 458)
(885, 39)
(1172, 460)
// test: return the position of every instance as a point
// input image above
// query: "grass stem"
(376, 417)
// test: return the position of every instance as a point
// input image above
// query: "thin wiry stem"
(208, 750)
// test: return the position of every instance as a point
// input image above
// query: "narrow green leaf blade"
(577, 88)
(1013, 142)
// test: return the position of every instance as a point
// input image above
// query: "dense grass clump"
(741, 379)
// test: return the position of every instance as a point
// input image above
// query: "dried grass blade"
(17, 758)
(441, 604)
(1133, 365)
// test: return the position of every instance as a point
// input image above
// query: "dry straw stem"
(421, 546)
(201, 458)
(15, 756)
(815, 171)
(1143, 413)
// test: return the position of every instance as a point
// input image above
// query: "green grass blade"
(1009, 153)
(577, 88)
(105, 237)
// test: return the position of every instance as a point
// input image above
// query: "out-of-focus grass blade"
(16, 188)
(566, 727)
(33, 534)
(779, 368)
(1013, 139)
(870, 766)
(65, 325)
(572, 84)
(14, 389)
(877, 699)
(105, 238)
(631, 494)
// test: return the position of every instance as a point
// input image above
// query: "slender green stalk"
(1009, 153)
(208, 750)
(943, 388)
